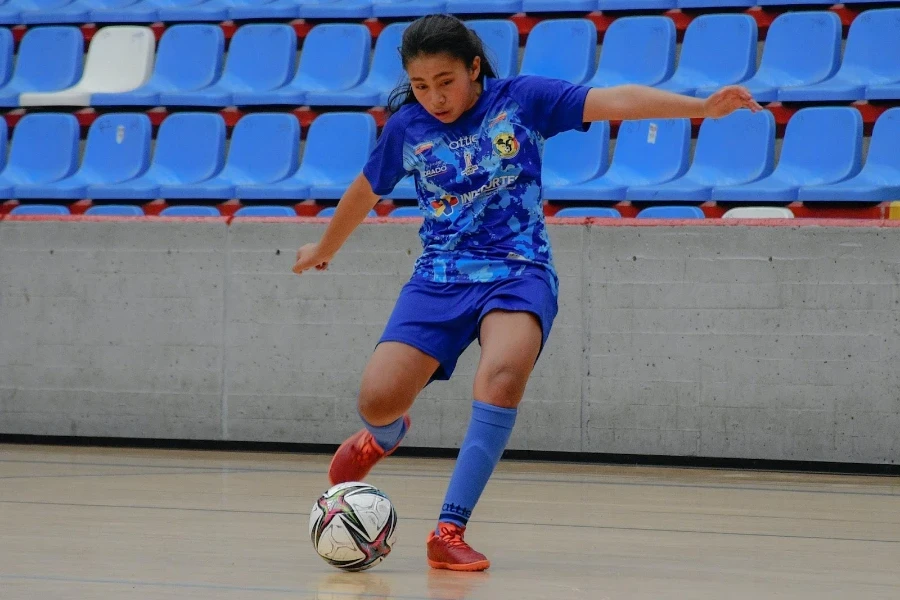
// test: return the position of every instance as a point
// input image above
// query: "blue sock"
(387, 436)
(488, 433)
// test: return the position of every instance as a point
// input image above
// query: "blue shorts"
(442, 319)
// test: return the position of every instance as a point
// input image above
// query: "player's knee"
(379, 402)
(502, 385)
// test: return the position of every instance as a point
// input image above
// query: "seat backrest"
(759, 212)
(589, 211)
(873, 45)
(720, 46)
(39, 209)
(191, 146)
(802, 47)
(651, 151)
(265, 211)
(337, 147)
(335, 56)
(264, 147)
(262, 56)
(50, 58)
(117, 147)
(4, 136)
(821, 145)
(7, 55)
(883, 148)
(671, 212)
(636, 50)
(190, 56)
(45, 147)
(561, 48)
(115, 210)
(501, 43)
(718, 160)
(387, 69)
(120, 59)
(577, 156)
(190, 211)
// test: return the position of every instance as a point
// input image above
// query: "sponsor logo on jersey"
(470, 169)
(491, 186)
(435, 170)
(463, 142)
(424, 147)
(444, 205)
(506, 145)
(498, 119)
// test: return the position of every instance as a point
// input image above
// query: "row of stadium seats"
(402, 212)
(14, 12)
(821, 159)
(801, 61)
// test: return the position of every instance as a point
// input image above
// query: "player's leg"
(394, 376)
(510, 344)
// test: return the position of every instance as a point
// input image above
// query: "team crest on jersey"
(506, 145)
(470, 168)
(444, 205)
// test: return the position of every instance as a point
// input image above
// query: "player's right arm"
(355, 204)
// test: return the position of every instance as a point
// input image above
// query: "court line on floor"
(202, 586)
(423, 519)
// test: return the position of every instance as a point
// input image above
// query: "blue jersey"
(478, 179)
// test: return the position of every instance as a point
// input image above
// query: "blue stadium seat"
(407, 8)
(333, 9)
(44, 149)
(654, 39)
(265, 211)
(718, 160)
(335, 58)
(7, 55)
(574, 157)
(190, 211)
(11, 10)
(148, 11)
(190, 148)
(647, 152)
(888, 91)
(501, 41)
(385, 74)
(189, 58)
(115, 210)
(404, 190)
(558, 5)
(464, 7)
(636, 4)
(802, 48)
(561, 48)
(817, 2)
(263, 150)
(240, 10)
(4, 144)
(589, 211)
(329, 212)
(406, 212)
(716, 4)
(671, 212)
(879, 178)
(73, 12)
(337, 147)
(821, 145)
(39, 210)
(261, 58)
(117, 149)
(49, 59)
(202, 10)
(870, 58)
(717, 50)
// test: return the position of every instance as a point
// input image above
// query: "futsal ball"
(352, 526)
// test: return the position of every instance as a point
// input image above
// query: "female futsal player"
(474, 144)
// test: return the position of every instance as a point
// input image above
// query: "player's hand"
(309, 257)
(729, 99)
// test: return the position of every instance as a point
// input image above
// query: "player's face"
(444, 85)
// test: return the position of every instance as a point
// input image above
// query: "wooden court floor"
(99, 524)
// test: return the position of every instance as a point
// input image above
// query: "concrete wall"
(750, 342)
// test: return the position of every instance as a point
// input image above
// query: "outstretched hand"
(729, 99)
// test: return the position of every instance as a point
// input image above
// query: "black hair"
(438, 34)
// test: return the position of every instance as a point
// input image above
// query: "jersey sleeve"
(554, 105)
(386, 164)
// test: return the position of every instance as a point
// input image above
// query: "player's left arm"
(630, 102)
